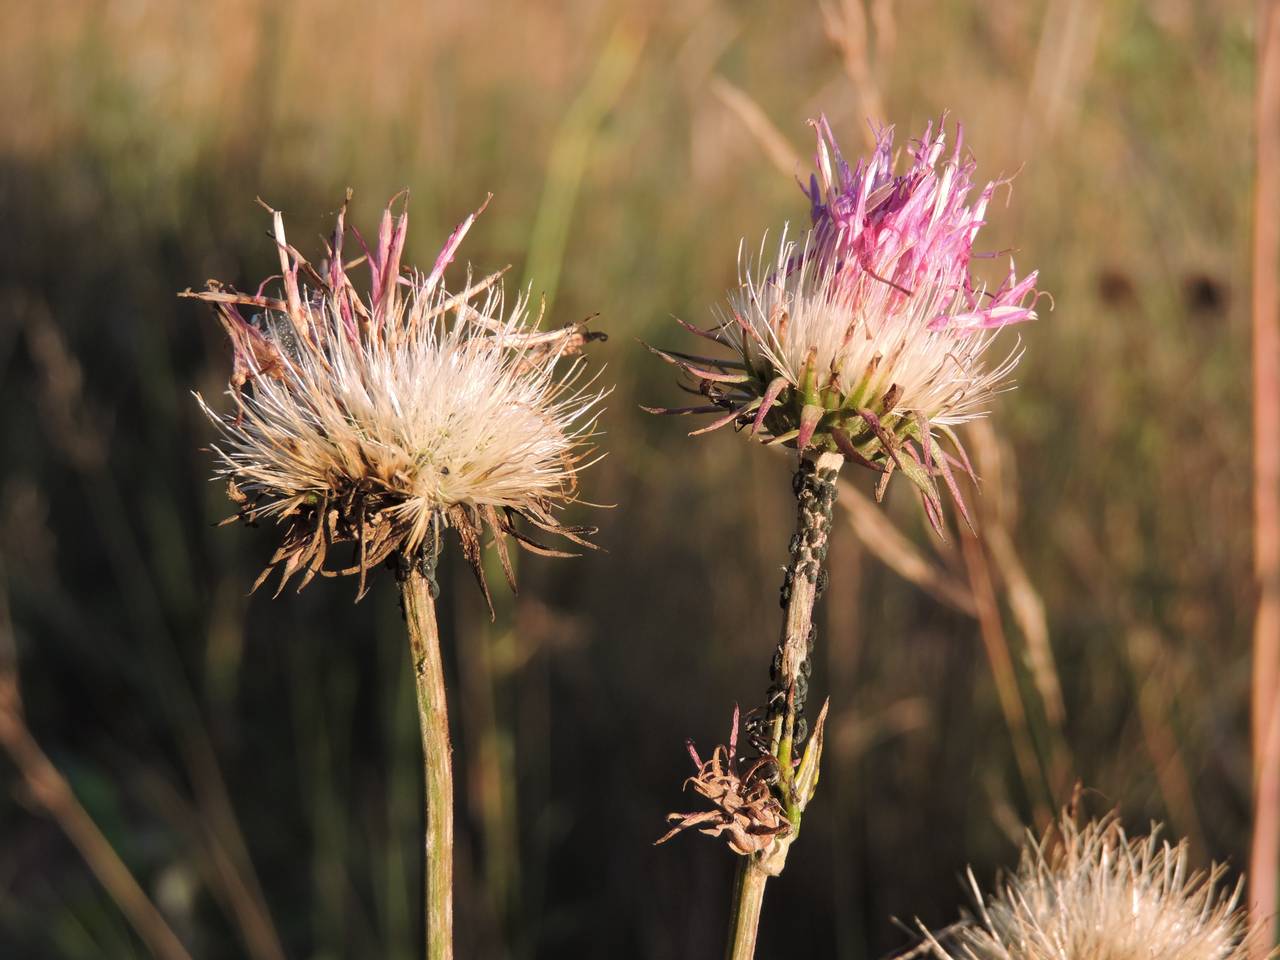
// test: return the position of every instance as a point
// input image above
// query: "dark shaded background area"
(256, 762)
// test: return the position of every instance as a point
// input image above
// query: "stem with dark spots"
(805, 578)
(784, 727)
(433, 718)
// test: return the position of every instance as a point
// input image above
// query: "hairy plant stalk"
(433, 719)
(784, 724)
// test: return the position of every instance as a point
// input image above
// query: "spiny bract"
(382, 420)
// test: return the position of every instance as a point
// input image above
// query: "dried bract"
(744, 807)
(381, 419)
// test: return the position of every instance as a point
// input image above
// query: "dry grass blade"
(1002, 669)
(1154, 690)
(571, 151)
(219, 860)
(846, 28)
(50, 790)
(776, 147)
(1028, 610)
(1263, 865)
(882, 538)
(1025, 603)
(1063, 65)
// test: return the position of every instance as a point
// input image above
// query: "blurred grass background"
(256, 762)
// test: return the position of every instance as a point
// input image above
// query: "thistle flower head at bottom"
(1093, 893)
(380, 420)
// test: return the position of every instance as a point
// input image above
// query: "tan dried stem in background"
(49, 790)
(1265, 851)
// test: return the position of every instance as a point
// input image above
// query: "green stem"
(748, 898)
(433, 719)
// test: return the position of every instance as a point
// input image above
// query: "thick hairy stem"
(783, 725)
(433, 719)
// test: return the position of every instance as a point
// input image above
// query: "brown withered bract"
(743, 805)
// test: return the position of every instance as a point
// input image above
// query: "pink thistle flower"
(913, 231)
(868, 337)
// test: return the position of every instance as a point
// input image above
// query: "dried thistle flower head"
(381, 420)
(1092, 893)
(756, 809)
(743, 805)
(867, 337)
